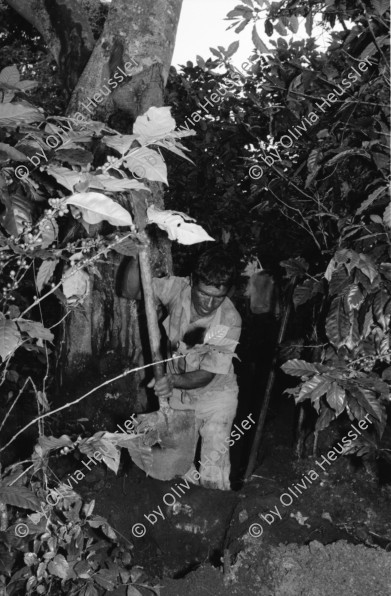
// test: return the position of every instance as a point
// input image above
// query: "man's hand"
(163, 387)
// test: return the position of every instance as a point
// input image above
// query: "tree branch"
(66, 31)
(35, 13)
(79, 399)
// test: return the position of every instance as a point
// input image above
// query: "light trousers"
(214, 414)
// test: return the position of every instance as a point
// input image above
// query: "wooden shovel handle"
(150, 309)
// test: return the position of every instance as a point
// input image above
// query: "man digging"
(202, 384)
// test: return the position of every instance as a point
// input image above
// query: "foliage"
(31, 237)
(320, 188)
(21, 44)
(84, 171)
(62, 548)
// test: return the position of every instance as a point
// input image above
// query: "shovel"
(172, 430)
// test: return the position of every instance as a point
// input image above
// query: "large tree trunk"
(141, 34)
(105, 336)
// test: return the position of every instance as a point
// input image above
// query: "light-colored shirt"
(175, 294)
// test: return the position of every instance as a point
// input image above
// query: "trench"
(175, 528)
(188, 530)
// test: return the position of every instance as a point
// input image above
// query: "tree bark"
(103, 335)
(66, 31)
(110, 332)
(142, 34)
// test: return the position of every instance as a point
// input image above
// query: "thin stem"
(75, 270)
(14, 403)
(79, 399)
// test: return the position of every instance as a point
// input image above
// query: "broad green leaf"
(19, 496)
(269, 28)
(146, 163)
(132, 591)
(337, 324)
(76, 156)
(173, 222)
(127, 247)
(218, 335)
(34, 329)
(35, 518)
(336, 398)
(385, 270)
(355, 297)
(190, 233)
(76, 286)
(10, 83)
(96, 207)
(216, 53)
(313, 156)
(12, 153)
(83, 570)
(305, 291)
(368, 403)
(156, 123)
(88, 508)
(347, 153)
(121, 143)
(200, 61)
(353, 338)
(381, 6)
(103, 181)
(238, 11)
(9, 77)
(26, 85)
(110, 454)
(106, 578)
(18, 212)
(49, 443)
(382, 298)
(9, 337)
(59, 567)
(243, 23)
(325, 416)
(299, 368)
(45, 273)
(48, 231)
(65, 177)
(295, 267)
(174, 148)
(376, 218)
(279, 27)
(232, 48)
(293, 23)
(309, 23)
(108, 530)
(259, 44)
(367, 267)
(313, 389)
(13, 114)
(179, 134)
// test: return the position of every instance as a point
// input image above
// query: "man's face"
(206, 299)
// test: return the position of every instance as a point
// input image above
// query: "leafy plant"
(84, 172)
(324, 200)
(62, 547)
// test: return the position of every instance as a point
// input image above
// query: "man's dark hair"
(215, 267)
